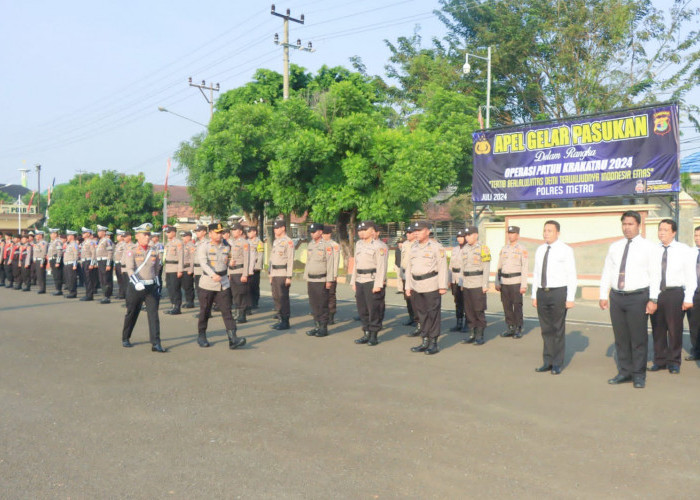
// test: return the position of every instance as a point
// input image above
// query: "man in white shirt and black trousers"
(553, 292)
(629, 285)
(677, 286)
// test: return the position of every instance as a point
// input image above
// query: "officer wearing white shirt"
(553, 293)
(695, 311)
(631, 281)
(677, 286)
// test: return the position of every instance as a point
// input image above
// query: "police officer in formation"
(54, 257)
(119, 247)
(281, 271)
(201, 233)
(104, 255)
(332, 300)
(456, 281)
(427, 279)
(39, 252)
(257, 255)
(174, 268)
(476, 267)
(319, 274)
(142, 266)
(188, 258)
(71, 256)
(2, 259)
(511, 281)
(410, 237)
(88, 264)
(24, 265)
(239, 270)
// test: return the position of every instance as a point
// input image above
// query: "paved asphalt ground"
(290, 416)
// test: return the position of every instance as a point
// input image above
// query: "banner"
(624, 153)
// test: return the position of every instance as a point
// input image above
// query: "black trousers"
(459, 299)
(40, 274)
(196, 282)
(240, 291)
(318, 300)
(512, 301)
(187, 284)
(17, 274)
(409, 303)
(106, 278)
(551, 310)
(8, 273)
(280, 294)
(70, 277)
(254, 285)
(629, 321)
(206, 301)
(174, 285)
(121, 284)
(369, 305)
(134, 301)
(2, 274)
(332, 298)
(694, 322)
(427, 307)
(667, 328)
(26, 276)
(90, 277)
(33, 273)
(57, 274)
(474, 300)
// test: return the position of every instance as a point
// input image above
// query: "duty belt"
(670, 288)
(69, 262)
(510, 275)
(197, 265)
(317, 276)
(455, 269)
(366, 271)
(280, 266)
(630, 292)
(472, 273)
(221, 273)
(102, 258)
(38, 258)
(171, 262)
(239, 266)
(425, 276)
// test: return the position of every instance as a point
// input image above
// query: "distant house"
(14, 190)
(179, 200)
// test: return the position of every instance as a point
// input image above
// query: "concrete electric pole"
(286, 45)
(211, 90)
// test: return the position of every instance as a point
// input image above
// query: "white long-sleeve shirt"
(561, 269)
(680, 267)
(641, 270)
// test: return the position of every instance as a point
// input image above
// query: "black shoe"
(432, 347)
(238, 342)
(202, 341)
(510, 332)
(364, 339)
(72, 296)
(422, 347)
(282, 325)
(469, 340)
(416, 332)
(105, 301)
(409, 322)
(241, 317)
(86, 299)
(314, 330)
(674, 369)
(692, 357)
(458, 326)
(518, 334)
(40, 292)
(619, 379)
(479, 341)
(656, 368)
(174, 311)
(322, 330)
(331, 319)
(639, 383)
(25, 289)
(373, 339)
(543, 368)
(57, 293)
(556, 370)
(356, 318)
(126, 343)
(157, 348)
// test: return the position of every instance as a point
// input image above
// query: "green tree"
(111, 199)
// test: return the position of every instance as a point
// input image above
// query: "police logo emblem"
(662, 122)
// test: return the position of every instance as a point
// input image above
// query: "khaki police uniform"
(257, 258)
(88, 264)
(55, 258)
(174, 252)
(405, 251)
(104, 255)
(71, 256)
(239, 266)
(39, 251)
(511, 277)
(188, 258)
(119, 251)
(476, 266)
(456, 285)
(369, 273)
(281, 269)
(319, 271)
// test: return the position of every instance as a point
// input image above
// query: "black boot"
(105, 301)
(282, 325)
(202, 340)
(157, 347)
(518, 333)
(58, 292)
(479, 336)
(331, 319)
(458, 326)
(241, 316)
(471, 339)
(314, 330)
(422, 347)
(510, 332)
(174, 311)
(432, 347)
(364, 339)
(234, 342)
(322, 330)
(415, 332)
(373, 338)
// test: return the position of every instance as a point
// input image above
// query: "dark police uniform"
(332, 299)
(118, 271)
(88, 263)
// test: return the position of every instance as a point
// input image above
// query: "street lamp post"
(467, 68)
(162, 109)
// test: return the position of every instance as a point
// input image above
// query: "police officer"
(2, 266)
(281, 271)
(332, 299)
(201, 234)
(174, 251)
(54, 256)
(118, 268)
(511, 281)
(213, 257)
(476, 266)
(257, 255)
(239, 270)
(128, 244)
(188, 257)
(25, 263)
(142, 265)
(104, 257)
(368, 282)
(456, 282)
(160, 250)
(427, 278)
(14, 261)
(7, 261)
(405, 247)
(319, 274)
(32, 267)
(39, 251)
(71, 254)
(88, 264)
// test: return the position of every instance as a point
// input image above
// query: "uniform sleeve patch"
(381, 251)
(329, 250)
(291, 243)
(245, 247)
(442, 253)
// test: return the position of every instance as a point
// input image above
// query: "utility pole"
(80, 174)
(38, 188)
(286, 45)
(211, 90)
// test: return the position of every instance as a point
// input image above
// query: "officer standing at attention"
(25, 261)
(368, 281)
(2, 262)
(213, 257)
(55, 260)
(553, 292)
(188, 268)
(118, 255)
(427, 278)
(257, 255)
(14, 261)
(174, 267)
(476, 267)
(104, 255)
(239, 269)
(405, 247)
(456, 282)
(88, 264)
(142, 266)
(511, 281)
(71, 253)
(281, 271)
(7, 260)
(332, 300)
(128, 245)
(201, 234)
(319, 274)
(39, 251)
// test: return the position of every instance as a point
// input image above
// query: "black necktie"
(664, 265)
(623, 264)
(544, 268)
